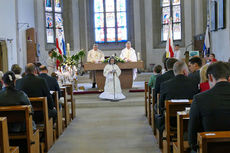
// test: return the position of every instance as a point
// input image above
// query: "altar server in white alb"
(112, 89)
(50, 63)
(95, 56)
(129, 55)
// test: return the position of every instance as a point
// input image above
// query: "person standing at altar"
(112, 89)
(129, 55)
(95, 56)
(50, 63)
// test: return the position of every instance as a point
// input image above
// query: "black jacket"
(210, 111)
(14, 97)
(0, 85)
(180, 87)
(35, 86)
(52, 83)
(195, 76)
(162, 78)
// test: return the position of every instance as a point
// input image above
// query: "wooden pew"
(149, 104)
(65, 106)
(39, 104)
(146, 98)
(71, 100)
(153, 112)
(59, 128)
(171, 111)
(214, 142)
(181, 146)
(22, 114)
(159, 136)
(4, 138)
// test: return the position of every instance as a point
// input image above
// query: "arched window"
(171, 9)
(54, 20)
(110, 21)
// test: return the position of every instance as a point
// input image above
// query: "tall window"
(54, 20)
(171, 9)
(110, 21)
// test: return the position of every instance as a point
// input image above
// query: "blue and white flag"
(63, 47)
(206, 47)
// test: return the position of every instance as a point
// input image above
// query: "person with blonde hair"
(204, 85)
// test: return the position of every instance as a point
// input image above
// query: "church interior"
(114, 76)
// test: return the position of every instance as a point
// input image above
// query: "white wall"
(8, 28)
(13, 12)
(220, 40)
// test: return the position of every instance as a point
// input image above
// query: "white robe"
(111, 79)
(130, 54)
(178, 55)
(51, 65)
(97, 56)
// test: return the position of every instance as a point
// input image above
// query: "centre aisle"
(108, 130)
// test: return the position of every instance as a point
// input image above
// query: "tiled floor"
(108, 130)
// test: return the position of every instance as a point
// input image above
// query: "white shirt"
(178, 55)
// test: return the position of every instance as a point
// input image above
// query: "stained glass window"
(54, 20)
(171, 9)
(110, 21)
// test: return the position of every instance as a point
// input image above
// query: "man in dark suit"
(210, 110)
(195, 64)
(35, 86)
(166, 76)
(179, 87)
(52, 82)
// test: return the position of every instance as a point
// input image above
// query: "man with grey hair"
(179, 87)
(95, 56)
(129, 55)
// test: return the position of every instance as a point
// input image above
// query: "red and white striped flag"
(60, 52)
(169, 45)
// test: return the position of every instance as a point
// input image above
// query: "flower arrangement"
(69, 60)
(117, 59)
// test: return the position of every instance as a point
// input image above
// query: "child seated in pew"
(10, 96)
(156, 72)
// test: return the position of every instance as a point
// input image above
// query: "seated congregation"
(188, 107)
(36, 109)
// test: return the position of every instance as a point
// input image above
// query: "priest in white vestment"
(129, 55)
(112, 89)
(95, 56)
(50, 63)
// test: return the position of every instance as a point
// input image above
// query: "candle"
(138, 56)
(68, 50)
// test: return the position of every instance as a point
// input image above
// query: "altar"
(126, 77)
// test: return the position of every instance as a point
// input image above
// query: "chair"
(39, 104)
(65, 106)
(171, 111)
(22, 114)
(214, 142)
(4, 138)
(181, 146)
(69, 88)
(159, 135)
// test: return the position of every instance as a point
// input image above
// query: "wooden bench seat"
(71, 100)
(214, 142)
(171, 111)
(65, 106)
(22, 114)
(4, 139)
(146, 98)
(181, 146)
(46, 126)
(59, 128)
